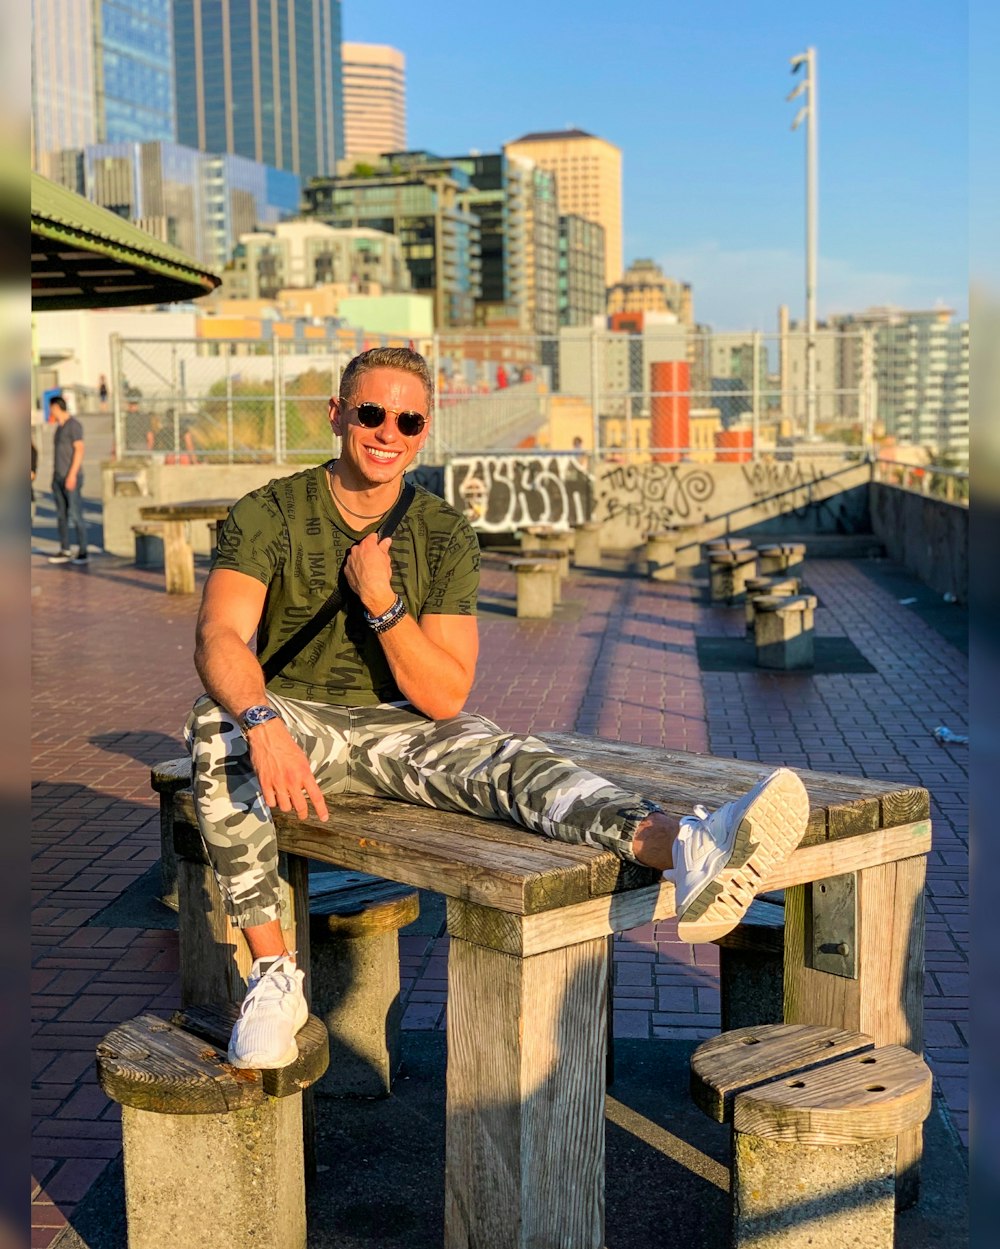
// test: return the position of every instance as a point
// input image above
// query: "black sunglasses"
(372, 415)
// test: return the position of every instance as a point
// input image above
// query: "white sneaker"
(61, 557)
(721, 860)
(273, 1010)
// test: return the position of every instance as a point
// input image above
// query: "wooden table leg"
(178, 558)
(886, 1000)
(526, 1063)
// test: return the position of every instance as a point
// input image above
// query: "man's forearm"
(229, 670)
(426, 674)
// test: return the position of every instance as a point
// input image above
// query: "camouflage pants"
(464, 764)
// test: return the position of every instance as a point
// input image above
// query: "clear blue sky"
(713, 177)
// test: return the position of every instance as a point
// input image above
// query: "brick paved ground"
(113, 681)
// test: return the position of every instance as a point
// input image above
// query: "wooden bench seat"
(529, 919)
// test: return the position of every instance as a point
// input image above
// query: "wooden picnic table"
(178, 554)
(528, 965)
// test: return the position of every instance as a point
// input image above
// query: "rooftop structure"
(644, 288)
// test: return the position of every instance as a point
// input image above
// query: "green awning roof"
(83, 256)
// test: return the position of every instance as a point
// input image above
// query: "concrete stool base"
(783, 631)
(714, 545)
(780, 557)
(235, 1179)
(536, 595)
(661, 556)
(587, 544)
(857, 1194)
(730, 571)
(784, 587)
(354, 924)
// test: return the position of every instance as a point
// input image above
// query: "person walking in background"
(102, 392)
(67, 483)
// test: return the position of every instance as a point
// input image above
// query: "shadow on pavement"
(381, 1177)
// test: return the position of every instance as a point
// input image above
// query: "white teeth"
(382, 455)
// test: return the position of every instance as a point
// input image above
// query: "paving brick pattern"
(113, 682)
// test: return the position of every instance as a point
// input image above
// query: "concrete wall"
(928, 537)
(803, 496)
(126, 486)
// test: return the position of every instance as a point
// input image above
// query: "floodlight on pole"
(808, 112)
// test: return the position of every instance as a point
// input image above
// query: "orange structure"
(733, 446)
(670, 409)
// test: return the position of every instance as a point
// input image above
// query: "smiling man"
(373, 703)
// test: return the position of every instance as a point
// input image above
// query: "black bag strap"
(301, 638)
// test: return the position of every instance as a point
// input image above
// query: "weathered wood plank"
(213, 1023)
(357, 905)
(525, 1129)
(863, 850)
(863, 1097)
(850, 803)
(743, 1059)
(457, 855)
(507, 868)
(150, 1064)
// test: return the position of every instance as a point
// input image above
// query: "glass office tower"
(134, 71)
(261, 80)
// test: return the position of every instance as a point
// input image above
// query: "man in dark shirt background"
(67, 483)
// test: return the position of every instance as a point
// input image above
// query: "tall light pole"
(809, 111)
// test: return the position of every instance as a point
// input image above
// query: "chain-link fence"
(667, 393)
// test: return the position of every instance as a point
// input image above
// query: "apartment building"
(421, 199)
(588, 172)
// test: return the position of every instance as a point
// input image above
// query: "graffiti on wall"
(648, 497)
(500, 493)
(766, 478)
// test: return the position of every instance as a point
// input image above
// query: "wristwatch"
(253, 716)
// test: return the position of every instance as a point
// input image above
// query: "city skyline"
(713, 176)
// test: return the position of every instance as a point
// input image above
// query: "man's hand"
(286, 779)
(71, 480)
(368, 570)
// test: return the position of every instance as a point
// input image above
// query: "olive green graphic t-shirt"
(290, 536)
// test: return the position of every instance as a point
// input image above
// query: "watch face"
(258, 715)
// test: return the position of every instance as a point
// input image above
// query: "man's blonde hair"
(400, 358)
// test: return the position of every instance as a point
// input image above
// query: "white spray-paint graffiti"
(500, 493)
(647, 497)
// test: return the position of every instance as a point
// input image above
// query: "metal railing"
(669, 394)
(934, 481)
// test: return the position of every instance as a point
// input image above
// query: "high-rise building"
(581, 270)
(588, 174)
(199, 202)
(421, 198)
(374, 100)
(515, 202)
(102, 73)
(921, 373)
(261, 80)
(644, 288)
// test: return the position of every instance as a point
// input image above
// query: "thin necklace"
(347, 508)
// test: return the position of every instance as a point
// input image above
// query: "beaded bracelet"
(379, 624)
